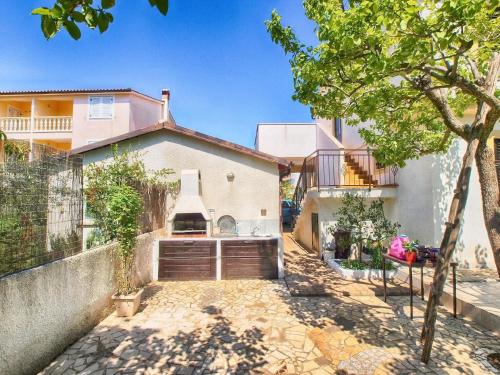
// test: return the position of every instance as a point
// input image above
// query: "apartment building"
(330, 159)
(66, 119)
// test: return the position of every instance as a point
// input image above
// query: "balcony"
(42, 124)
(340, 169)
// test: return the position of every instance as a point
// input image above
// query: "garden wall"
(47, 308)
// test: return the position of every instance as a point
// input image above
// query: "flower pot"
(411, 256)
(127, 305)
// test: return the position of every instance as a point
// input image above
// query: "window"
(338, 129)
(101, 107)
(13, 111)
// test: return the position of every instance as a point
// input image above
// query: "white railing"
(15, 124)
(42, 124)
(53, 123)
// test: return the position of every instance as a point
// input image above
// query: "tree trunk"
(485, 161)
(447, 247)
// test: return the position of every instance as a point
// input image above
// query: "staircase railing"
(356, 168)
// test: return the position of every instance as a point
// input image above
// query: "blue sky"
(224, 72)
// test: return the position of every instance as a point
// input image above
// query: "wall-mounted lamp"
(230, 176)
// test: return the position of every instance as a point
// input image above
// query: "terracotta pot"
(411, 256)
(127, 305)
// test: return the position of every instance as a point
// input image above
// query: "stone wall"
(47, 308)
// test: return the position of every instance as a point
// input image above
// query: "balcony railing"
(41, 124)
(342, 169)
(15, 124)
(53, 123)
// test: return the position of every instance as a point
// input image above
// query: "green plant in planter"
(382, 230)
(354, 264)
(367, 225)
(123, 210)
(352, 217)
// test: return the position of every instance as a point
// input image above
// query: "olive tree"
(411, 67)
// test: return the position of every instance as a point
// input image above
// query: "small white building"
(225, 223)
(329, 159)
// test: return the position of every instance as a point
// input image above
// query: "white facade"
(250, 196)
(420, 202)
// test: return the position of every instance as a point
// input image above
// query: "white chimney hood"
(189, 200)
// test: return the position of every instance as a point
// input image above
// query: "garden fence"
(41, 208)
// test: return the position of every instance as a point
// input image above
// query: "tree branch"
(440, 101)
(480, 93)
(475, 71)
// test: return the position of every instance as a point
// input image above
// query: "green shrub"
(354, 264)
(65, 244)
(94, 239)
(366, 224)
(115, 204)
(377, 260)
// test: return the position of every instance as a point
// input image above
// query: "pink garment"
(397, 250)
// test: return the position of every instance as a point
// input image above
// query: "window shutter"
(101, 107)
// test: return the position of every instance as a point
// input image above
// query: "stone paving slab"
(307, 275)
(258, 327)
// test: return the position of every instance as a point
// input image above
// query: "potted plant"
(124, 209)
(114, 202)
(411, 251)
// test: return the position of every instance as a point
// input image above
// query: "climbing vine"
(113, 197)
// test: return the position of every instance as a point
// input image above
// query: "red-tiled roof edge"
(183, 131)
(75, 91)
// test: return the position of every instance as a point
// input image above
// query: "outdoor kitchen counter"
(218, 257)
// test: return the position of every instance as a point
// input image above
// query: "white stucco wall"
(286, 140)
(85, 129)
(144, 112)
(325, 139)
(303, 228)
(47, 308)
(424, 195)
(255, 186)
(473, 247)
(415, 200)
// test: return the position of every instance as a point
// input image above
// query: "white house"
(330, 159)
(225, 222)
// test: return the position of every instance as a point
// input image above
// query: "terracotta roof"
(73, 91)
(183, 131)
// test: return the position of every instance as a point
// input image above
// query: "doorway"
(315, 232)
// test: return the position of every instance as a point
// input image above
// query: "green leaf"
(162, 5)
(49, 27)
(72, 29)
(106, 4)
(77, 17)
(56, 11)
(103, 22)
(91, 18)
(41, 11)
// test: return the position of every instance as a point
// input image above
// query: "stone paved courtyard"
(312, 322)
(239, 327)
